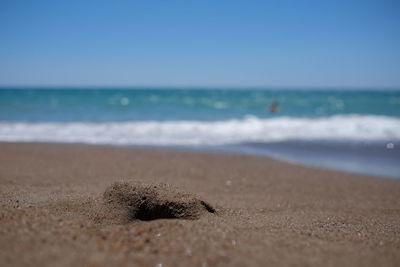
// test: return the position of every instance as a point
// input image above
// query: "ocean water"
(351, 130)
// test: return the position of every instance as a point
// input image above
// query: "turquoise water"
(173, 104)
(352, 130)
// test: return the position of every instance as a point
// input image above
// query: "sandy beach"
(267, 212)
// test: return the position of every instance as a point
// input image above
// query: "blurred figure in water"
(274, 107)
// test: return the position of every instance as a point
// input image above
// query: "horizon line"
(199, 87)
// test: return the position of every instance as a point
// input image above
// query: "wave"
(249, 129)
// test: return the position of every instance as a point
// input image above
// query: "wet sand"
(53, 212)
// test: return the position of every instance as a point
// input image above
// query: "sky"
(279, 43)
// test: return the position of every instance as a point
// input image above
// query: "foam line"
(249, 129)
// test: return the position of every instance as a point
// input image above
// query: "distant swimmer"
(274, 107)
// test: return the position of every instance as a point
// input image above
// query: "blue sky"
(200, 43)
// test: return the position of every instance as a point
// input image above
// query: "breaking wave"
(249, 129)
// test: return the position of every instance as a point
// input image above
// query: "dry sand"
(53, 210)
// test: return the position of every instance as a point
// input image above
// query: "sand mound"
(140, 201)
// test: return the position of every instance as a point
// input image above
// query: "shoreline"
(269, 212)
(351, 158)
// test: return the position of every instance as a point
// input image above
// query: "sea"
(342, 129)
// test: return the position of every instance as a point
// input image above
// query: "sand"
(54, 211)
(125, 202)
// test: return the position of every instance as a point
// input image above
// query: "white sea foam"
(249, 129)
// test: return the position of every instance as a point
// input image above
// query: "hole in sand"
(139, 201)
